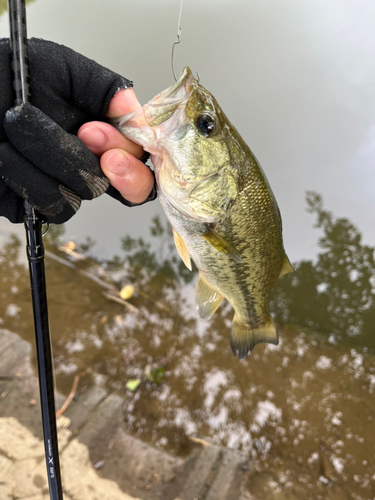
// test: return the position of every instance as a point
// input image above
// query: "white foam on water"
(267, 412)
(323, 363)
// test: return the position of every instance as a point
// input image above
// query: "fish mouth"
(185, 75)
(162, 106)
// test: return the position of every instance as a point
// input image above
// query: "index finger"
(124, 102)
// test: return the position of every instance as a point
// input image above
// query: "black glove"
(41, 159)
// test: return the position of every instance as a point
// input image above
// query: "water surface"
(297, 80)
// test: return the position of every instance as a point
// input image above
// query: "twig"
(156, 302)
(69, 398)
(123, 302)
(66, 263)
(199, 441)
(103, 284)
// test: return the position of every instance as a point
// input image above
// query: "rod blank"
(35, 255)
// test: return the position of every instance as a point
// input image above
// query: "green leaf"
(132, 385)
(156, 375)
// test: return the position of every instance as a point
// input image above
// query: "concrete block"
(14, 350)
(229, 477)
(101, 426)
(202, 475)
(80, 479)
(79, 410)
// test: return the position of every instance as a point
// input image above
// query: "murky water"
(297, 80)
(303, 411)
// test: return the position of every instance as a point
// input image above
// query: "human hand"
(41, 158)
(120, 157)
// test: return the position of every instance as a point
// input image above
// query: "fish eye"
(206, 124)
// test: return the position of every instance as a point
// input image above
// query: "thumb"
(132, 178)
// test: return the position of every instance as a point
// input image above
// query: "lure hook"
(179, 31)
(46, 230)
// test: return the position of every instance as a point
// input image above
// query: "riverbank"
(99, 460)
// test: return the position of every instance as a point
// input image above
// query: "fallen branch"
(199, 441)
(114, 291)
(91, 277)
(123, 302)
(156, 302)
(69, 398)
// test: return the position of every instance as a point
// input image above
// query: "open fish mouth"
(185, 75)
(162, 106)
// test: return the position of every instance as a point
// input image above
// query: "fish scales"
(219, 203)
(250, 232)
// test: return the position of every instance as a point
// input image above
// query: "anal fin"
(287, 267)
(221, 244)
(206, 298)
(181, 249)
(243, 338)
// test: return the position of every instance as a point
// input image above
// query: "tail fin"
(243, 338)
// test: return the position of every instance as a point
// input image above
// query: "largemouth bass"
(219, 203)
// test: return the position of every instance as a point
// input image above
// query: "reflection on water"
(303, 411)
(335, 295)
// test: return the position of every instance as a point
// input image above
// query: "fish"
(221, 207)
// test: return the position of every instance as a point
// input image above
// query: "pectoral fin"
(218, 192)
(206, 298)
(181, 249)
(221, 244)
(244, 338)
(287, 267)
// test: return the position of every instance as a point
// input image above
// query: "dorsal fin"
(206, 298)
(221, 244)
(287, 267)
(181, 249)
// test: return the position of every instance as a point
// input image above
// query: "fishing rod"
(35, 256)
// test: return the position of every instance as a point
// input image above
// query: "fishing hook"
(179, 31)
(46, 230)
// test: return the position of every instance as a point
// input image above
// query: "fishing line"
(179, 31)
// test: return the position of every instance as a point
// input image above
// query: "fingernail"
(124, 102)
(93, 137)
(118, 163)
(132, 100)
